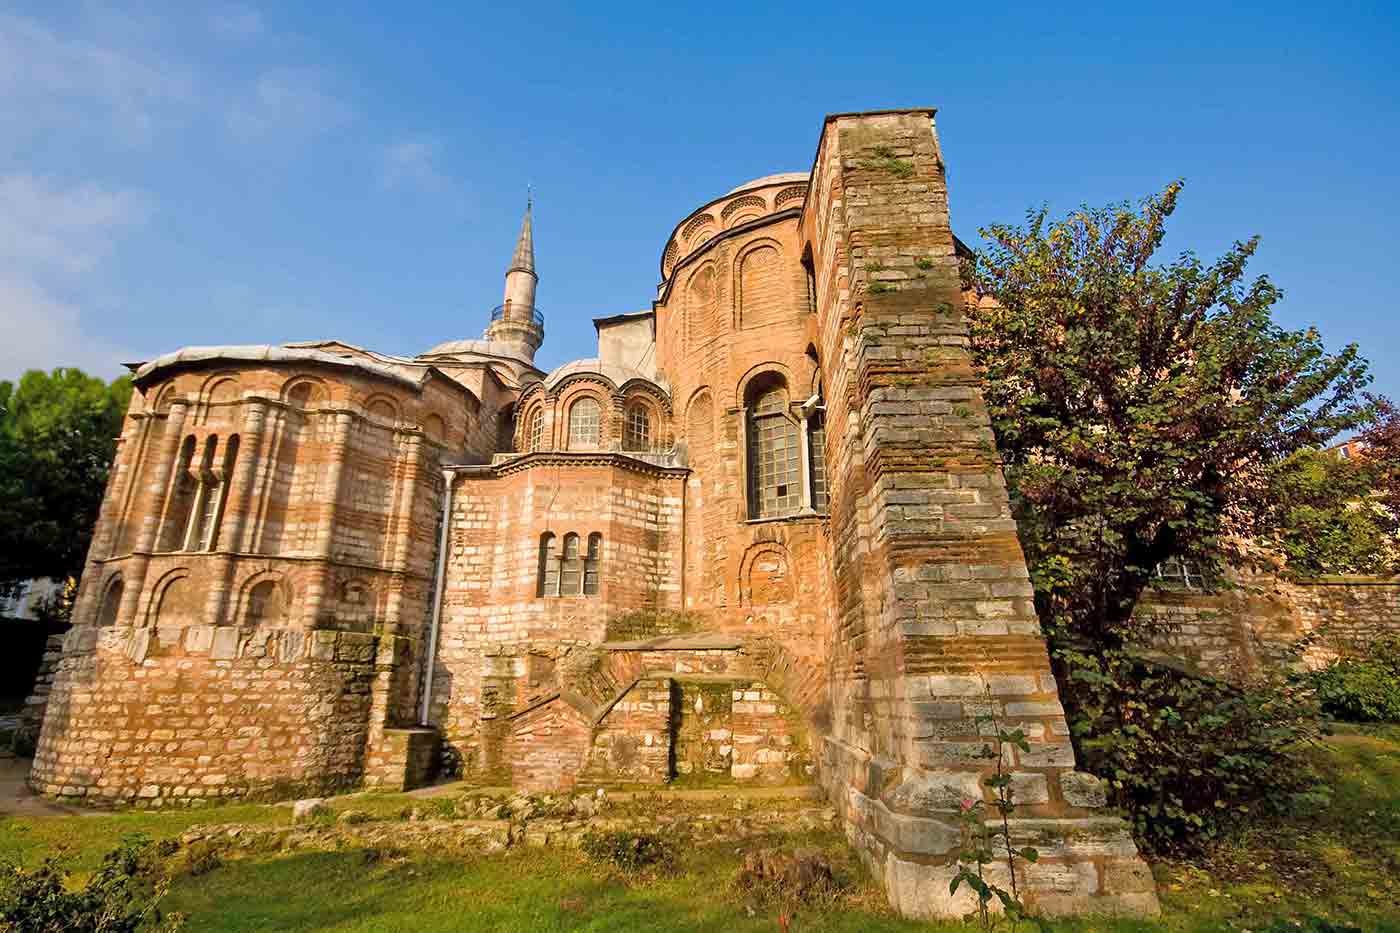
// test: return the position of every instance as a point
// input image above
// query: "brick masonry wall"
(317, 532)
(493, 620)
(935, 620)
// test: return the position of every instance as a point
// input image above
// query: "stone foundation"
(154, 717)
(403, 760)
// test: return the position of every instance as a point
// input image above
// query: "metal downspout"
(436, 621)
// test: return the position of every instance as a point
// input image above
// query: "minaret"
(517, 322)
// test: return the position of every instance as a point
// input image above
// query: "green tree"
(1142, 410)
(1330, 519)
(57, 438)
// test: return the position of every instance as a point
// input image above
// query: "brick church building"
(761, 537)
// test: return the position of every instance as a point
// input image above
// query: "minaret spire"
(524, 258)
(517, 321)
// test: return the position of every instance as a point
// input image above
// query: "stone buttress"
(934, 603)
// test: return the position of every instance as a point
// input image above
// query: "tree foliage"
(1142, 409)
(57, 437)
(1139, 408)
(1330, 518)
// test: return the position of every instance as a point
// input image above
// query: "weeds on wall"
(985, 843)
(885, 161)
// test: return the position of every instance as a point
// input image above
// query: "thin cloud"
(49, 81)
(236, 23)
(52, 238)
(64, 229)
(286, 103)
(44, 332)
(412, 163)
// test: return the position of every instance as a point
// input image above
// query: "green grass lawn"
(1341, 863)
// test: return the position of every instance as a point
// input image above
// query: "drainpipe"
(436, 621)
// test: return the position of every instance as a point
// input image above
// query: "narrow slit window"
(591, 564)
(205, 500)
(549, 566)
(571, 567)
(816, 449)
(536, 433)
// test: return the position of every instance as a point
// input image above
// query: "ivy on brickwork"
(1140, 410)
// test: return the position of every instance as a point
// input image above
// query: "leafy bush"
(1362, 689)
(1188, 757)
(121, 897)
(631, 852)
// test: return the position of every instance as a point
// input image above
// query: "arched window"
(636, 429)
(816, 452)
(585, 416)
(535, 435)
(205, 500)
(183, 485)
(217, 497)
(111, 603)
(775, 485)
(265, 604)
(571, 567)
(549, 566)
(591, 563)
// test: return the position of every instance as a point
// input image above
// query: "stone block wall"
(935, 622)
(633, 742)
(153, 719)
(1240, 632)
(32, 716)
(402, 760)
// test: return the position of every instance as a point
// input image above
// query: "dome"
(615, 373)
(781, 178)
(479, 348)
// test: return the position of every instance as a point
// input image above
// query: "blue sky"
(188, 173)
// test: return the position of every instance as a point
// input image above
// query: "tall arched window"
(549, 566)
(534, 437)
(111, 603)
(591, 562)
(571, 567)
(183, 485)
(775, 485)
(205, 500)
(816, 452)
(636, 429)
(585, 417)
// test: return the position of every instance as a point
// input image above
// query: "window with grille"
(591, 563)
(816, 451)
(584, 419)
(535, 434)
(1180, 574)
(571, 568)
(636, 431)
(775, 485)
(549, 566)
